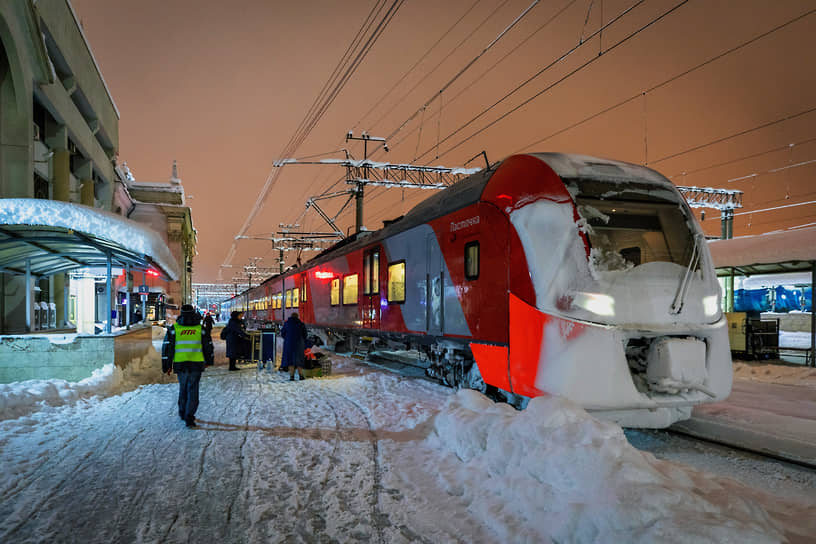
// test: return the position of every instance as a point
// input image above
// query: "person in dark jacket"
(294, 344)
(236, 337)
(208, 323)
(186, 350)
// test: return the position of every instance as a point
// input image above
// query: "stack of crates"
(326, 366)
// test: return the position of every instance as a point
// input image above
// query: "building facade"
(161, 206)
(59, 140)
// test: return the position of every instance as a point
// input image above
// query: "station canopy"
(51, 237)
(771, 253)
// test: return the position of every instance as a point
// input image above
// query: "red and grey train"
(546, 274)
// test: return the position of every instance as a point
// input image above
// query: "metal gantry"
(360, 173)
(724, 200)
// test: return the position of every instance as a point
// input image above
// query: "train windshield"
(623, 234)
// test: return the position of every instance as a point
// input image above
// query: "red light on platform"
(321, 275)
(153, 273)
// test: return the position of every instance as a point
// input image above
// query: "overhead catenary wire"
(678, 76)
(743, 158)
(638, 95)
(327, 95)
(490, 68)
(445, 34)
(432, 70)
(558, 81)
(466, 67)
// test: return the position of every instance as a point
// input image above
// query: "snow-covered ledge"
(70, 357)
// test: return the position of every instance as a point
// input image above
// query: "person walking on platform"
(236, 338)
(208, 322)
(186, 349)
(294, 344)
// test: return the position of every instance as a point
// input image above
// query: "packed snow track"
(363, 455)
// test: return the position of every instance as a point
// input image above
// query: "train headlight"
(595, 303)
(711, 305)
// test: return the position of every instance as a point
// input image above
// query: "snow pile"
(22, 398)
(567, 477)
(19, 399)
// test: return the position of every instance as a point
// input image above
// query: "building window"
(41, 187)
(335, 292)
(472, 260)
(396, 282)
(350, 289)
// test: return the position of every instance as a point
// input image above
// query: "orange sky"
(717, 90)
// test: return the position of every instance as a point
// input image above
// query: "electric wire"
(743, 158)
(678, 76)
(558, 81)
(417, 63)
(321, 104)
(432, 70)
(489, 69)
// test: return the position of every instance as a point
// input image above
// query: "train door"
(434, 284)
(371, 288)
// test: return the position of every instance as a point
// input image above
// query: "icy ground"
(362, 455)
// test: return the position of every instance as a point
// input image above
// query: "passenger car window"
(396, 282)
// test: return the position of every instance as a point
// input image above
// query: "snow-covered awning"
(54, 237)
(770, 253)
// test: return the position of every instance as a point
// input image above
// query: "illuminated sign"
(321, 275)
(152, 272)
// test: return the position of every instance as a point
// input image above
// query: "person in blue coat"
(294, 344)
(236, 337)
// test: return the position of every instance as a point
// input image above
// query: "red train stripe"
(492, 363)
(526, 332)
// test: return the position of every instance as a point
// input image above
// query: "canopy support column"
(812, 315)
(127, 296)
(108, 289)
(28, 296)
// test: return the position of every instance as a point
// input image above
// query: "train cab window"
(288, 298)
(396, 282)
(335, 292)
(350, 289)
(472, 260)
(295, 297)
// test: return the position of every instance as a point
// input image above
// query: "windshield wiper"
(680, 297)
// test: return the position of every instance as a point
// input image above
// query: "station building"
(59, 140)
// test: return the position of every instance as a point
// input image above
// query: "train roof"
(571, 166)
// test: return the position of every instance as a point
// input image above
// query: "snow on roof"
(768, 248)
(580, 166)
(105, 225)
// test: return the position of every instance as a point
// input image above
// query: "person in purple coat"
(294, 344)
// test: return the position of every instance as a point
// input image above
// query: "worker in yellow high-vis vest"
(186, 350)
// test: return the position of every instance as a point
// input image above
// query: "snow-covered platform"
(771, 410)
